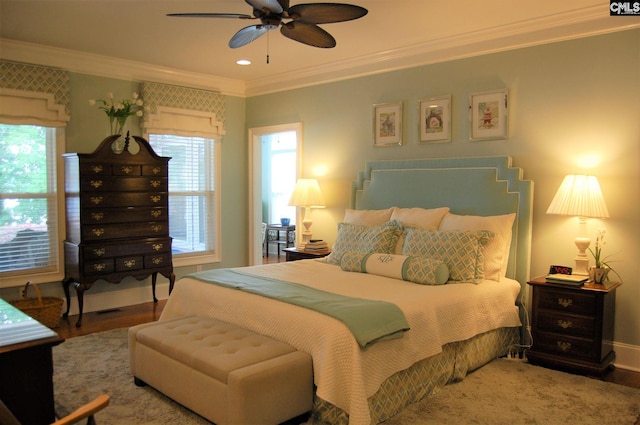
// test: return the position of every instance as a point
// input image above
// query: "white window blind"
(29, 237)
(192, 196)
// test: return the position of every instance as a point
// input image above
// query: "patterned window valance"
(182, 110)
(34, 94)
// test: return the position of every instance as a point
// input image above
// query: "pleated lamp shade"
(579, 196)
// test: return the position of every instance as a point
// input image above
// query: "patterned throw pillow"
(422, 270)
(360, 238)
(461, 251)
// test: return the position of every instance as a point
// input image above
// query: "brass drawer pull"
(96, 200)
(565, 324)
(99, 267)
(155, 198)
(97, 216)
(564, 346)
(156, 260)
(127, 170)
(97, 232)
(97, 169)
(156, 213)
(155, 183)
(130, 263)
(99, 252)
(96, 183)
(157, 246)
(565, 302)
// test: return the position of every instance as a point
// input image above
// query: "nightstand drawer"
(563, 345)
(567, 324)
(567, 301)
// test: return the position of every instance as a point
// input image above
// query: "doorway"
(274, 166)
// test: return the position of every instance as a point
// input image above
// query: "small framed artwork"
(435, 119)
(488, 112)
(387, 124)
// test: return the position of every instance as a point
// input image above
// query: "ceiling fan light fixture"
(243, 62)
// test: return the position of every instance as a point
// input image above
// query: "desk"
(275, 233)
(26, 366)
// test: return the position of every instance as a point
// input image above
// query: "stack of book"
(567, 279)
(316, 245)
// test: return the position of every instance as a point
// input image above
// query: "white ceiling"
(394, 34)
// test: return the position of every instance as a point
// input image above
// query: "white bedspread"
(344, 374)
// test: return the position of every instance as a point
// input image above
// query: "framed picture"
(387, 124)
(435, 119)
(488, 113)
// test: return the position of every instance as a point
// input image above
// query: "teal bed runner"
(369, 321)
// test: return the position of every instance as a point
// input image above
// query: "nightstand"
(572, 327)
(293, 254)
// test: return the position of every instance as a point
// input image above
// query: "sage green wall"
(568, 101)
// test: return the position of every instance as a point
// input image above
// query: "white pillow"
(367, 217)
(420, 217)
(496, 253)
(417, 217)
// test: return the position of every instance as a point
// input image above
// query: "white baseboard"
(627, 356)
(99, 301)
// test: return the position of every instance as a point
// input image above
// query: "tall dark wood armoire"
(117, 201)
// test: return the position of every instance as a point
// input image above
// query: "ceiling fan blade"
(210, 15)
(326, 13)
(308, 34)
(246, 35)
(272, 6)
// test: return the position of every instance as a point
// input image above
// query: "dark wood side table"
(572, 326)
(293, 254)
(26, 366)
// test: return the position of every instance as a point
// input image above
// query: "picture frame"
(435, 119)
(489, 115)
(387, 124)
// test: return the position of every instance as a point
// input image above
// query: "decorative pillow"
(496, 253)
(461, 251)
(356, 237)
(422, 270)
(367, 217)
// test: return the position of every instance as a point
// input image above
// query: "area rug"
(502, 392)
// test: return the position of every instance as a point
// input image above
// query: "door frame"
(255, 182)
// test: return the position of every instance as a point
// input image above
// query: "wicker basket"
(46, 310)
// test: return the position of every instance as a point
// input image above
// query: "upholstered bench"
(225, 373)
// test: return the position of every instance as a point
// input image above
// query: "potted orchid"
(600, 272)
(119, 112)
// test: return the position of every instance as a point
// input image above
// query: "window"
(29, 209)
(193, 206)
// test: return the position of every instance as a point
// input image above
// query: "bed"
(480, 203)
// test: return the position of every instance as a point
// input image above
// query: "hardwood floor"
(142, 313)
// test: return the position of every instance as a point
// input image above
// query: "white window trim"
(19, 107)
(189, 123)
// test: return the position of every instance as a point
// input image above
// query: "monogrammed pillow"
(422, 270)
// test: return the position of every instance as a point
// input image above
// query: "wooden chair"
(85, 412)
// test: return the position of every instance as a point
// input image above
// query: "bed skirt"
(425, 377)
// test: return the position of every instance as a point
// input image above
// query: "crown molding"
(577, 24)
(105, 66)
(580, 23)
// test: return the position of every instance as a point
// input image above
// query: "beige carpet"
(502, 392)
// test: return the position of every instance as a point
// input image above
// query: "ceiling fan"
(302, 26)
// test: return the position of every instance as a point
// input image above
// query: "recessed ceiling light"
(243, 62)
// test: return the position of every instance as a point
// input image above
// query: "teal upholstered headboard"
(471, 186)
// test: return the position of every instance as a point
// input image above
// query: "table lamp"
(580, 196)
(306, 194)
